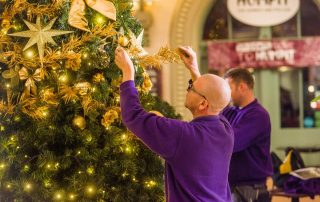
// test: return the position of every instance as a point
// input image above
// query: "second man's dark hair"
(240, 75)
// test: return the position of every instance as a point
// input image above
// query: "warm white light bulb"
(311, 88)
(30, 54)
(100, 20)
(63, 78)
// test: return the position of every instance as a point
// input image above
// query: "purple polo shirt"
(251, 160)
(197, 153)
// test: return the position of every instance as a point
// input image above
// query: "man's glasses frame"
(191, 87)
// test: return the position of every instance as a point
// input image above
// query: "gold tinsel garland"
(32, 9)
(90, 104)
(48, 96)
(30, 107)
(165, 55)
(6, 107)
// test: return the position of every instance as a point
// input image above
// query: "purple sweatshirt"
(251, 160)
(197, 153)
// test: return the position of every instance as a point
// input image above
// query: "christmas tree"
(61, 136)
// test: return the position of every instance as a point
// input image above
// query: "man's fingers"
(185, 51)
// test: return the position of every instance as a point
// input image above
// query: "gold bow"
(76, 14)
(30, 80)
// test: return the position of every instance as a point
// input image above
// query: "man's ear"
(203, 105)
(242, 86)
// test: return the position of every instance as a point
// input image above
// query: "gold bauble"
(79, 122)
(83, 88)
(123, 40)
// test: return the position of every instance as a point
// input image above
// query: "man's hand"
(124, 63)
(189, 59)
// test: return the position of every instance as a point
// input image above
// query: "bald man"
(196, 153)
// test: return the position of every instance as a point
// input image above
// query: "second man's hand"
(124, 63)
(189, 59)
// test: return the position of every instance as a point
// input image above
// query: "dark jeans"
(250, 193)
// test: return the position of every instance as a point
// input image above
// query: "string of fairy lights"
(90, 189)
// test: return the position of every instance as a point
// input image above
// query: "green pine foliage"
(53, 159)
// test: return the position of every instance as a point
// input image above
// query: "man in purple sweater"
(251, 161)
(197, 153)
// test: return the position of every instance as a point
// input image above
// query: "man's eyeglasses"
(191, 87)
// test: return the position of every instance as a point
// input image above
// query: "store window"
(293, 83)
(289, 97)
(311, 89)
(216, 25)
(243, 31)
(310, 18)
(287, 29)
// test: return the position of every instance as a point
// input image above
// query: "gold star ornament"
(137, 43)
(40, 35)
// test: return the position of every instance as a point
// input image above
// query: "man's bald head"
(216, 90)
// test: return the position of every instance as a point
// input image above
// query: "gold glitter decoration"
(97, 78)
(110, 116)
(83, 88)
(39, 35)
(147, 84)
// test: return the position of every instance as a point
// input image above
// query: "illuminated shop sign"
(262, 13)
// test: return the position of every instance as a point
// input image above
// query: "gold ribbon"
(77, 15)
(30, 80)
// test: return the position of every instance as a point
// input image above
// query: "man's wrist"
(127, 76)
(195, 74)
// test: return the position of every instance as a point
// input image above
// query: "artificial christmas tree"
(61, 136)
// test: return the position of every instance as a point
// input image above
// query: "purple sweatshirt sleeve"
(160, 134)
(249, 130)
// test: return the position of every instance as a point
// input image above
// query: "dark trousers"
(250, 193)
